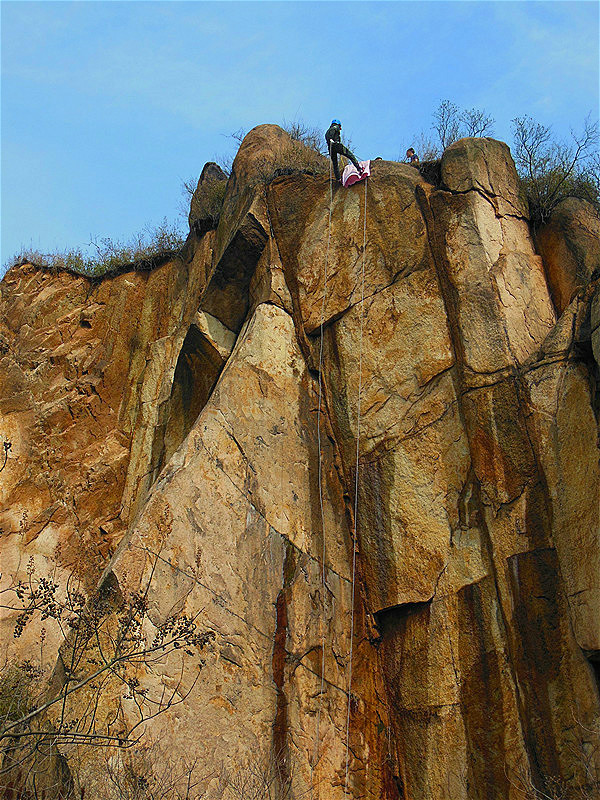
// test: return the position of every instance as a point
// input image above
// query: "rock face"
(570, 246)
(193, 433)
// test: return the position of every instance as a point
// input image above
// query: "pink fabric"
(350, 174)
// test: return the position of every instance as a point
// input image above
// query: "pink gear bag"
(351, 175)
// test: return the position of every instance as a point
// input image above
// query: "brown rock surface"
(570, 247)
(170, 422)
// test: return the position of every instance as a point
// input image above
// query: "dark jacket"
(333, 135)
(336, 148)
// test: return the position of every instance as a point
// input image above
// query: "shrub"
(260, 777)
(298, 130)
(143, 251)
(304, 154)
(293, 158)
(308, 135)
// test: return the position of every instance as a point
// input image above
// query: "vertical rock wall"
(475, 603)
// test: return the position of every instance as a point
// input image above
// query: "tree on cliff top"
(449, 124)
(552, 170)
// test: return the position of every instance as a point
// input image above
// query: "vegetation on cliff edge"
(143, 251)
(550, 170)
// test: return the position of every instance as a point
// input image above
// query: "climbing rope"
(320, 479)
(355, 541)
(320, 486)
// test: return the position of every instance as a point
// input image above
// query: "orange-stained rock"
(244, 540)
(190, 432)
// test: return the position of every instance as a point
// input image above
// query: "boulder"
(207, 200)
(569, 244)
(484, 165)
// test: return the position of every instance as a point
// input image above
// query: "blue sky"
(108, 106)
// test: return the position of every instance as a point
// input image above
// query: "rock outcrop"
(192, 434)
(569, 243)
(207, 198)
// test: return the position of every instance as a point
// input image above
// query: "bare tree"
(552, 170)
(260, 777)
(451, 123)
(109, 648)
(446, 123)
(476, 122)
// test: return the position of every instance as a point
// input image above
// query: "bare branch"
(476, 122)
(446, 123)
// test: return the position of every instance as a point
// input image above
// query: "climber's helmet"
(336, 122)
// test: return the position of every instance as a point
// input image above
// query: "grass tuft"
(143, 251)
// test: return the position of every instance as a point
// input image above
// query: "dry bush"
(148, 772)
(583, 785)
(426, 147)
(308, 135)
(259, 778)
(554, 788)
(145, 250)
(293, 158)
(304, 153)
(110, 649)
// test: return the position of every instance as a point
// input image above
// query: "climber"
(336, 148)
(411, 156)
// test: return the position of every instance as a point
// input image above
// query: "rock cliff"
(193, 433)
